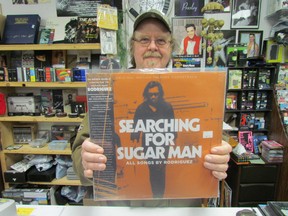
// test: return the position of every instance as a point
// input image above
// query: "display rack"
(9, 157)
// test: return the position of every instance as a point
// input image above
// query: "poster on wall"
(216, 54)
(79, 7)
(245, 14)
(186, 31)
(188, 8)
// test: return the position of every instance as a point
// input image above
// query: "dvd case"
(155, 127)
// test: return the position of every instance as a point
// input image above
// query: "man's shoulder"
(167, 104)
(143, 105)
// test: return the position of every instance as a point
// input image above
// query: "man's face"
(151, 55)
(190, 32)
(153, 96)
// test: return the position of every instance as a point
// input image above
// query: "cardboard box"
(21, 29)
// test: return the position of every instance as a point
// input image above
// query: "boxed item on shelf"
(34, 175)
(57, 144)
(62, 132)
(24, 133)
(272, 151)
(24, 105)
(14, 176)
(37, 143)
(28, 194)
(78, 75)
(21, 29)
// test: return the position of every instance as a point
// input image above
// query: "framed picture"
(216, 56)
(226, 4)
(253, 41)
(187, 33)
(245, 14)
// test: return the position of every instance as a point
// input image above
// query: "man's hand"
(92, 158)
(217, 160)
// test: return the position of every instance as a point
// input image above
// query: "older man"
(151, 47)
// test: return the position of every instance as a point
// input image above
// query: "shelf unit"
(44, 84)
(248, 98)
(88, 46)
(252, 184)
(9, 157)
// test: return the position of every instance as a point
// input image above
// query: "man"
(151, 47)
(190, 45)
(252, 46)
(154, 108)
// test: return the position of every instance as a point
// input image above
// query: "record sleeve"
(155, 127)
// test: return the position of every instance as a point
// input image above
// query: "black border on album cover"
(245, 14)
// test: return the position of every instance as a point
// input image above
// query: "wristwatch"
(136, 7)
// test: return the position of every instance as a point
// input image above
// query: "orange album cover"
(156, 127)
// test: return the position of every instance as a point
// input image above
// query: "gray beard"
(151, 64)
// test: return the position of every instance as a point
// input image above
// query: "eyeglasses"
(156, 94)
(147, 41)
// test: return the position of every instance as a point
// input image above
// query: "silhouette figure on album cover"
(154, 108)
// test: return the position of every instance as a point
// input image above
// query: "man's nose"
(153, 45)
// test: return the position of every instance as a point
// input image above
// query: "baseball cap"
(153, 13)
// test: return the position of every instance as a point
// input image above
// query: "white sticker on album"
(207, 134)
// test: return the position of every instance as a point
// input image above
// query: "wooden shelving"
(248, 104)
(62, 181)
(10, 157)
(27, 149)
(44, 84)
(38, 119)
(88, 46)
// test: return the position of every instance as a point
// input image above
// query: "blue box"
(21, 29)
(78, 75)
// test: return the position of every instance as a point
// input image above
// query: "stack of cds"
(272, 151)
(71, 175)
